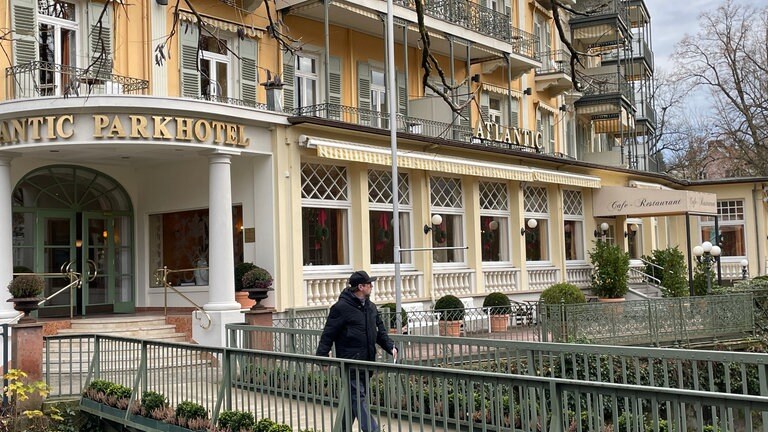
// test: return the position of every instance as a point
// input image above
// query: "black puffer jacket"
(355, 327)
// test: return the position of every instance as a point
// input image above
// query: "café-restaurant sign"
(625, 201)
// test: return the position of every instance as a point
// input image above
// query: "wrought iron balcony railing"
(480, 19)
(36, 79)
(644, 110)
(640, 50)
(371, 118)
(597, 8)
(554, 61)
(233, 101)
(605, 84)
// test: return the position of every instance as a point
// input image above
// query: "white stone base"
(216, 334)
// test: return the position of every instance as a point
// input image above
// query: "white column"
(221, 258)
(6, 248)
(221, 307)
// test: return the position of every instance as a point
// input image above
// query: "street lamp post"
(744, 269)
(707, 254)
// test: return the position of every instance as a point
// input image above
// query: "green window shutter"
(100, 39)
(25, 50)
(515, 120)
(249, 78)
(485, 110)
(334, 88)
(190, 75)
(364, 93)
(402, 94)
(289, 77)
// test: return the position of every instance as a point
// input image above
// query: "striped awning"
(221, 24)
(353, 152)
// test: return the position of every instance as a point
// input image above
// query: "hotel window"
(732, 228)
(306, 81)
(214, 68)
(446, 200)
(378, 98)
(380, 216)
(573, 225)
(209, 64)
(536, 207)
(545, 124)
(325, 206)
(57, 36)
(494, 222)
(179, 240)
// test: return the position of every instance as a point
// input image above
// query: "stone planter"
(450, 328)
(257, 295)
(499, 323)
(26, 305)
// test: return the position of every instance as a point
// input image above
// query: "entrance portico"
(158, 152)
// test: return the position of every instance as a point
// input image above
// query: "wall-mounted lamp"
(475, 78)
(602, 230)
(532, 224)
(527, 91)
(632, 231)
(436, 220)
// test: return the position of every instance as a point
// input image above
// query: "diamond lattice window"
(324, 182)
(445, 192)
(572, 203)
(493, 196)
(380, 187)
(535, 199)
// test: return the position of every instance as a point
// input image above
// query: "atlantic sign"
(624, 201)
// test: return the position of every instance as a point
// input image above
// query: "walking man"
(355, 327)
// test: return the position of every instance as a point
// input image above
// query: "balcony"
(41, 79)
(480, 19)
(405, 124)
(645, 116)
(554, 75)
(638, 63)
(605, 23)
(597, 88)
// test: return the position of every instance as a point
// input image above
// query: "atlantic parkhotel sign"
(122, 127)
(494, 135)
(626, 201)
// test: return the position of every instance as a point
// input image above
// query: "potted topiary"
(498, 306)
(450, 311)
(390, 317)
(610, 272)
(257, 282)
(26, 293)
(240, 295)
(554, 298)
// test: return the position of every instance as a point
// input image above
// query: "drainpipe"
(757, 228)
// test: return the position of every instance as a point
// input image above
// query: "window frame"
(214, 59)
(496, 213)
(300, 77)
(539, 217)
(579, 219)
(402, 208)
(709, 222)
(638, 237)
(450, 211)
(331, 204)
(58, 25)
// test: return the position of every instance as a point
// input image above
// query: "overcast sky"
(670, 20)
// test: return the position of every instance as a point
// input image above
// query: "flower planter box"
(499, 323)
(450, 328)
(149, 423)
(102, 410)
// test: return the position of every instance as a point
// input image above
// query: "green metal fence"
(308, 392)
(666, 321)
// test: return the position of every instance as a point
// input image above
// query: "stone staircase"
(73, 354)
(648, 290)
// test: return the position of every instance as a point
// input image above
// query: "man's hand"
(394, 355)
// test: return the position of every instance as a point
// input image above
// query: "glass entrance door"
(57, 250)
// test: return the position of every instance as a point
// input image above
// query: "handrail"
(652, 264)
(165, 271)
(75, 279)
(653, 279)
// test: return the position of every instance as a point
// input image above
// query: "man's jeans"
(358, 387)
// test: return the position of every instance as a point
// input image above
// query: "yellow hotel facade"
(120, 158)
